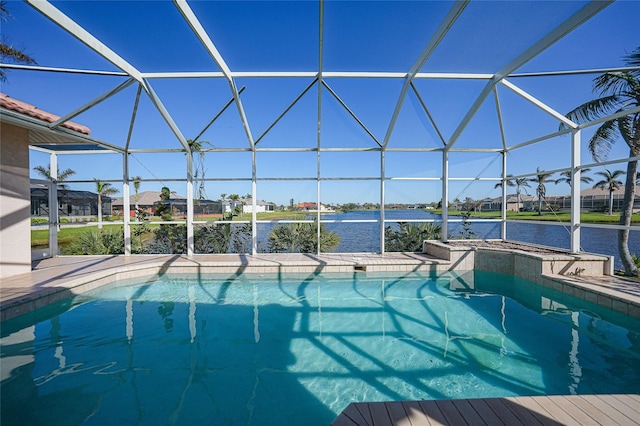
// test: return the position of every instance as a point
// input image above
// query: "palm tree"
(610, 183)
(136, 188)
(618, 91)
(541, 190)
(9, 53)
(103, 188)
(566, 177)
(234, 200)
(45, 173)
(518, 183)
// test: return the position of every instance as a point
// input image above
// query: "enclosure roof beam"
(446, 24)
(206, 41)
(351, 113)
(63, 70)
(503, 138)
(96, 45)
(165, 115)
(295, 101)
(133, 118)
(312, 74)
(426, 110)
(215, 117)
(92, 103)
(573, 72)
(68, 24)
(574, 21)
(546, 108)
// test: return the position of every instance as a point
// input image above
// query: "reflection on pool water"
(275, 350)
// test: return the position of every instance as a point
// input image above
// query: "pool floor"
(271, 350)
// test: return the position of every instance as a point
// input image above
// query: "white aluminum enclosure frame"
(504, 77)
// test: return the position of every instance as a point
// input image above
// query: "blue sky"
(283, 36)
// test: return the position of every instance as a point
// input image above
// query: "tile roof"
(605, 192)
(32, 111)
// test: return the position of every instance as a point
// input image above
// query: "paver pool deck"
(58, 278)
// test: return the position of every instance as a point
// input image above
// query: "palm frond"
(586, 179)
(65, 174)
(44, 172)
(6, 50)
(629, 127)
(13, 54)
(603, 139)
(509, 181)
(593, 109)
(4, 12)
(633, 60)
(616, 83)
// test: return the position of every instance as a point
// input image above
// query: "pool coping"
(53, 280)
(586, 276)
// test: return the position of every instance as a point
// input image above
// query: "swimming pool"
(249, 349)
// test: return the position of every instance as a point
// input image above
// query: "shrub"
(223, 238)
(409, 237)
(97, 241)
(466, 233)
(168, 239)
(301, 238)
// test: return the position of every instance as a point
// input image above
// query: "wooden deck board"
(380, 414)
(536, 410)
(574, 411)
(570, 410)
(433, 413)
(553, 411)
(631, 401)
(502, 410)
(470, 415)
(618, 411)
(365, 411)
(397, 414)
(589, 407)
(524, 415)
(450, 412)
(415, 414)
(353, 415)
(485, 412)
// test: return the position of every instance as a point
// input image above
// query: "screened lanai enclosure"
(386, 109)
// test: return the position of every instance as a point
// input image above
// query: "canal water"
(365, 237)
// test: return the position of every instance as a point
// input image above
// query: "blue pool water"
(269, 350)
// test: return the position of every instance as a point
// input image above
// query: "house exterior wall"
(15, 202)
(260, 208)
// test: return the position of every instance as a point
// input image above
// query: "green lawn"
(586, 217)
(279, 215)
(40, 237)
